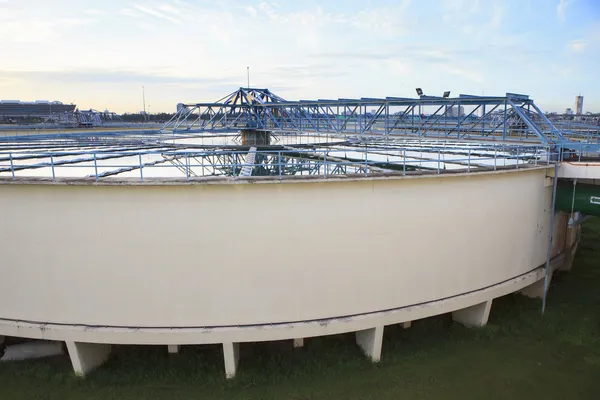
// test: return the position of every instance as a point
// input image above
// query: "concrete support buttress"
(476, 315)
(173, 349)
(407, 324)
(87, 356)
(231, 354)
(571, 243)
(1, 340)
(536, 290)
(298, 342)
(370, 341)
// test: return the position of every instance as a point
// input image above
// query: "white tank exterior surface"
(229, 262)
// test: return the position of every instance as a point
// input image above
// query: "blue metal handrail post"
(187, 166)
(279, 163)
(469, 162)
(141, 166)
(12, 167)
(234, 165)
(95, 167)
(52, 163)
(495, 158)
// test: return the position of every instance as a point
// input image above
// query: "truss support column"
(483, 121)
(173, 348)
(85, 357)
(298, 342)
(505, 115)
(370, 341)
(476, 315)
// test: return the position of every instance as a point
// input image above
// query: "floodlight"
(419, 91)
(447, 94)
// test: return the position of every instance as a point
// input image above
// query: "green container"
(587, 198)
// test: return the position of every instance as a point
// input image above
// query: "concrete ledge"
(370, 341)
(87, 356)
(259, 333)
(579, 170)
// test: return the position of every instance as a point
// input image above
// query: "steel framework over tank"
(507, 118)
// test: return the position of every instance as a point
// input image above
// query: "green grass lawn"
(519, 355)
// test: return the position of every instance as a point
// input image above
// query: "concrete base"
(231, 354)
(407, 324)
(476, 315)
(87, 356)
(572, 241)
(568, 264)
(298, 343)
(173, 348)
(370, 341)
(536, 291)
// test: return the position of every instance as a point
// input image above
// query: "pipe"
(550, 237)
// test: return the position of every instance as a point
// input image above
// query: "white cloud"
(76, 21)
(462, 71)
(93, 11)
(157, 13)
(252, 11)
(498, 13)
(18, 30)
(169, 9)
(577, 46)
(561, 9)
(129, 13)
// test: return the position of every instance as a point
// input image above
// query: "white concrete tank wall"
(235, 254)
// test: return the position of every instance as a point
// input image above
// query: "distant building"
(579, 105)
(40, 108)
(569, 111)
(454, 111)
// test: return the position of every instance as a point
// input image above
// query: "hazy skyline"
(99, 54)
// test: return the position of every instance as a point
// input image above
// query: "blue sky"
(99, 53)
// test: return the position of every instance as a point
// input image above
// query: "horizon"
(198, 51)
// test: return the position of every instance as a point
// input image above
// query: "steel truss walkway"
(513, 117)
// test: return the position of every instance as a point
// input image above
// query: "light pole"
(144, 101)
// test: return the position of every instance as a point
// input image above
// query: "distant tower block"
(579, 105)
(253, 137)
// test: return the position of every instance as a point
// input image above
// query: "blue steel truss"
(507, 118)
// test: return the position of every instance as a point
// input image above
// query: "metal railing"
(190, 165)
